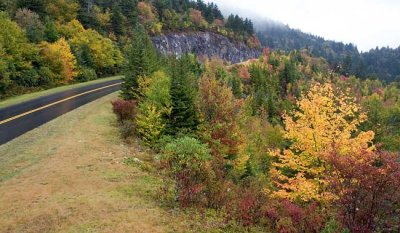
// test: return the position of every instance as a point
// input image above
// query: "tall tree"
(184, 117)
(220, 111)
(17, 64)
(104, 53)
(141, 61)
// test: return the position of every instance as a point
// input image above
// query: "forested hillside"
(45, 43)
(381, 63)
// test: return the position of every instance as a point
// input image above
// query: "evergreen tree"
(50, 31)
(236, 86)
(117, 21)
(84, 57)
(141, 61)
(129, 10)
(288, 75)
(184, 117)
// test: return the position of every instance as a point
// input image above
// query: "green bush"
(187, 161)
(46, 76)
(86, 74)
(28, 78)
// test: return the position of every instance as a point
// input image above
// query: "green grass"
(22, 98)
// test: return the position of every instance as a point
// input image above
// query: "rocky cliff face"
(204, 43)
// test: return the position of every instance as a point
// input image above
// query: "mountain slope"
(382, 63)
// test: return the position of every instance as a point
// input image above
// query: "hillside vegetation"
(379, 63)
(47, 43)
(280, 143)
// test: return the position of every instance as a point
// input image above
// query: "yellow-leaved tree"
(103, 52)
(60, 60)
(154, 107)
(327, 120)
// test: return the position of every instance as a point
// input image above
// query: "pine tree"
(129, 10)
(288, 75)
(142, 61)
(184, 117)
(117, 21)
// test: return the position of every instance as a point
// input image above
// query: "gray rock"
(204, 44)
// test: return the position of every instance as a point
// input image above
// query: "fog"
(365, 23)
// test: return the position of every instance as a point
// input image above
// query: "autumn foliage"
(220, 112)
(366, 190)
(271, 144)
(124, 109)
(327, 121)
(60, 59)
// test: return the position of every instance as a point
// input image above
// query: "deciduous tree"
(154, 109)
(18, 58)
(60, 59)
(326, 120)
(62, 10)
(104, 54)
(220, 111)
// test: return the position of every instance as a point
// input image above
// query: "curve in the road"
(19, 119)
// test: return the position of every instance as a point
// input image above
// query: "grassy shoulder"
(22, 98)
(72, 175)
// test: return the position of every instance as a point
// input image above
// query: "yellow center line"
(54, 103)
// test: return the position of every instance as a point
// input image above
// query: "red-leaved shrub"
(286, 216)
(367, 187)
(124, 109)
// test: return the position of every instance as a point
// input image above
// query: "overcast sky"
(365, 23)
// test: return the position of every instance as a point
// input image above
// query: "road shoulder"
(68, 176)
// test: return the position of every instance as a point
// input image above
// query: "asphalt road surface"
(20, 118)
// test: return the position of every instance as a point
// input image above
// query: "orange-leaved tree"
(326, 120)
(220, 112)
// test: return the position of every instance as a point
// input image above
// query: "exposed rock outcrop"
(204, 43)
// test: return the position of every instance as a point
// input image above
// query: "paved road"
(18, 119)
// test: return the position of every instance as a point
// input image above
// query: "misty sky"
(365, 23)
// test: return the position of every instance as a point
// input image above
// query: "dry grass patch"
(69, 176)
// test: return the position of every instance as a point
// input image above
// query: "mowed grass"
(22, 98)
(69, 175)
